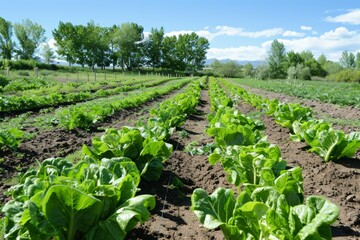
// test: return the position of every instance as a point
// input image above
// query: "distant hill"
(254, 63)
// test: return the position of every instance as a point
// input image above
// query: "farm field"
(324, 91)
(173, 219)
(43, 138)
(344, 117)
(188, 167)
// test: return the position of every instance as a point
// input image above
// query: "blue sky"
(236, 29)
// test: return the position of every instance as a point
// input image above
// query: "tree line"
(303, 65)
(92, 45)
(281, 64)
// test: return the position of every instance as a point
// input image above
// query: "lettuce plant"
(10, 138)
(329, 143)
(146, 153)
(89, 200)
(264, 214)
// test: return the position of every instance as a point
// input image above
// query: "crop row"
(95, 198)
(22, 84)
(31, 102)
(76, 86)
(87, 114)
(270, 202)
(330, 92)
(328, 143)
(43, 85)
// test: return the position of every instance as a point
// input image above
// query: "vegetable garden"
(173, 158)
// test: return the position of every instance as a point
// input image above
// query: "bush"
(4, 81)
(262, 72)
(347, 75)
(23, 73)
(299, 72)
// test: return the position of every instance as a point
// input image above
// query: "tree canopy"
(29, 35)
(6, 43)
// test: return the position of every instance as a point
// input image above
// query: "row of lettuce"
(45, 84)
(329, 143)
(270, 202)
(96, 197)
(31, 101)
(87, 114)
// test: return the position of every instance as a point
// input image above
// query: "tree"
(248, 69)
(29, 35)
(347, 60)
(277, 60)
(312, 64)
(169, 53)
(332, 67)
(129, 37)
(293, 59)
(299, 72)
(153, 47)
(232, 69)
(227, 69)
(322, 60)
(47, 53)
(262, 72)
(202, 45)
(113, 51)
(6, 44)
(191, 52)
(95, 45)
(67, 41)
(357, 62)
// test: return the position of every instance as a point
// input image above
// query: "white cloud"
(293, 34)
(331, 43)
(250, 53)
(306, 28)
(177, 33)
(230, 31)
(339, 33)
(352, 17)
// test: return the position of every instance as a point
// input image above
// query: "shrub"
(4, 81)
(23, 73)
(262, 72)
(346, 75)
(299, 72)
